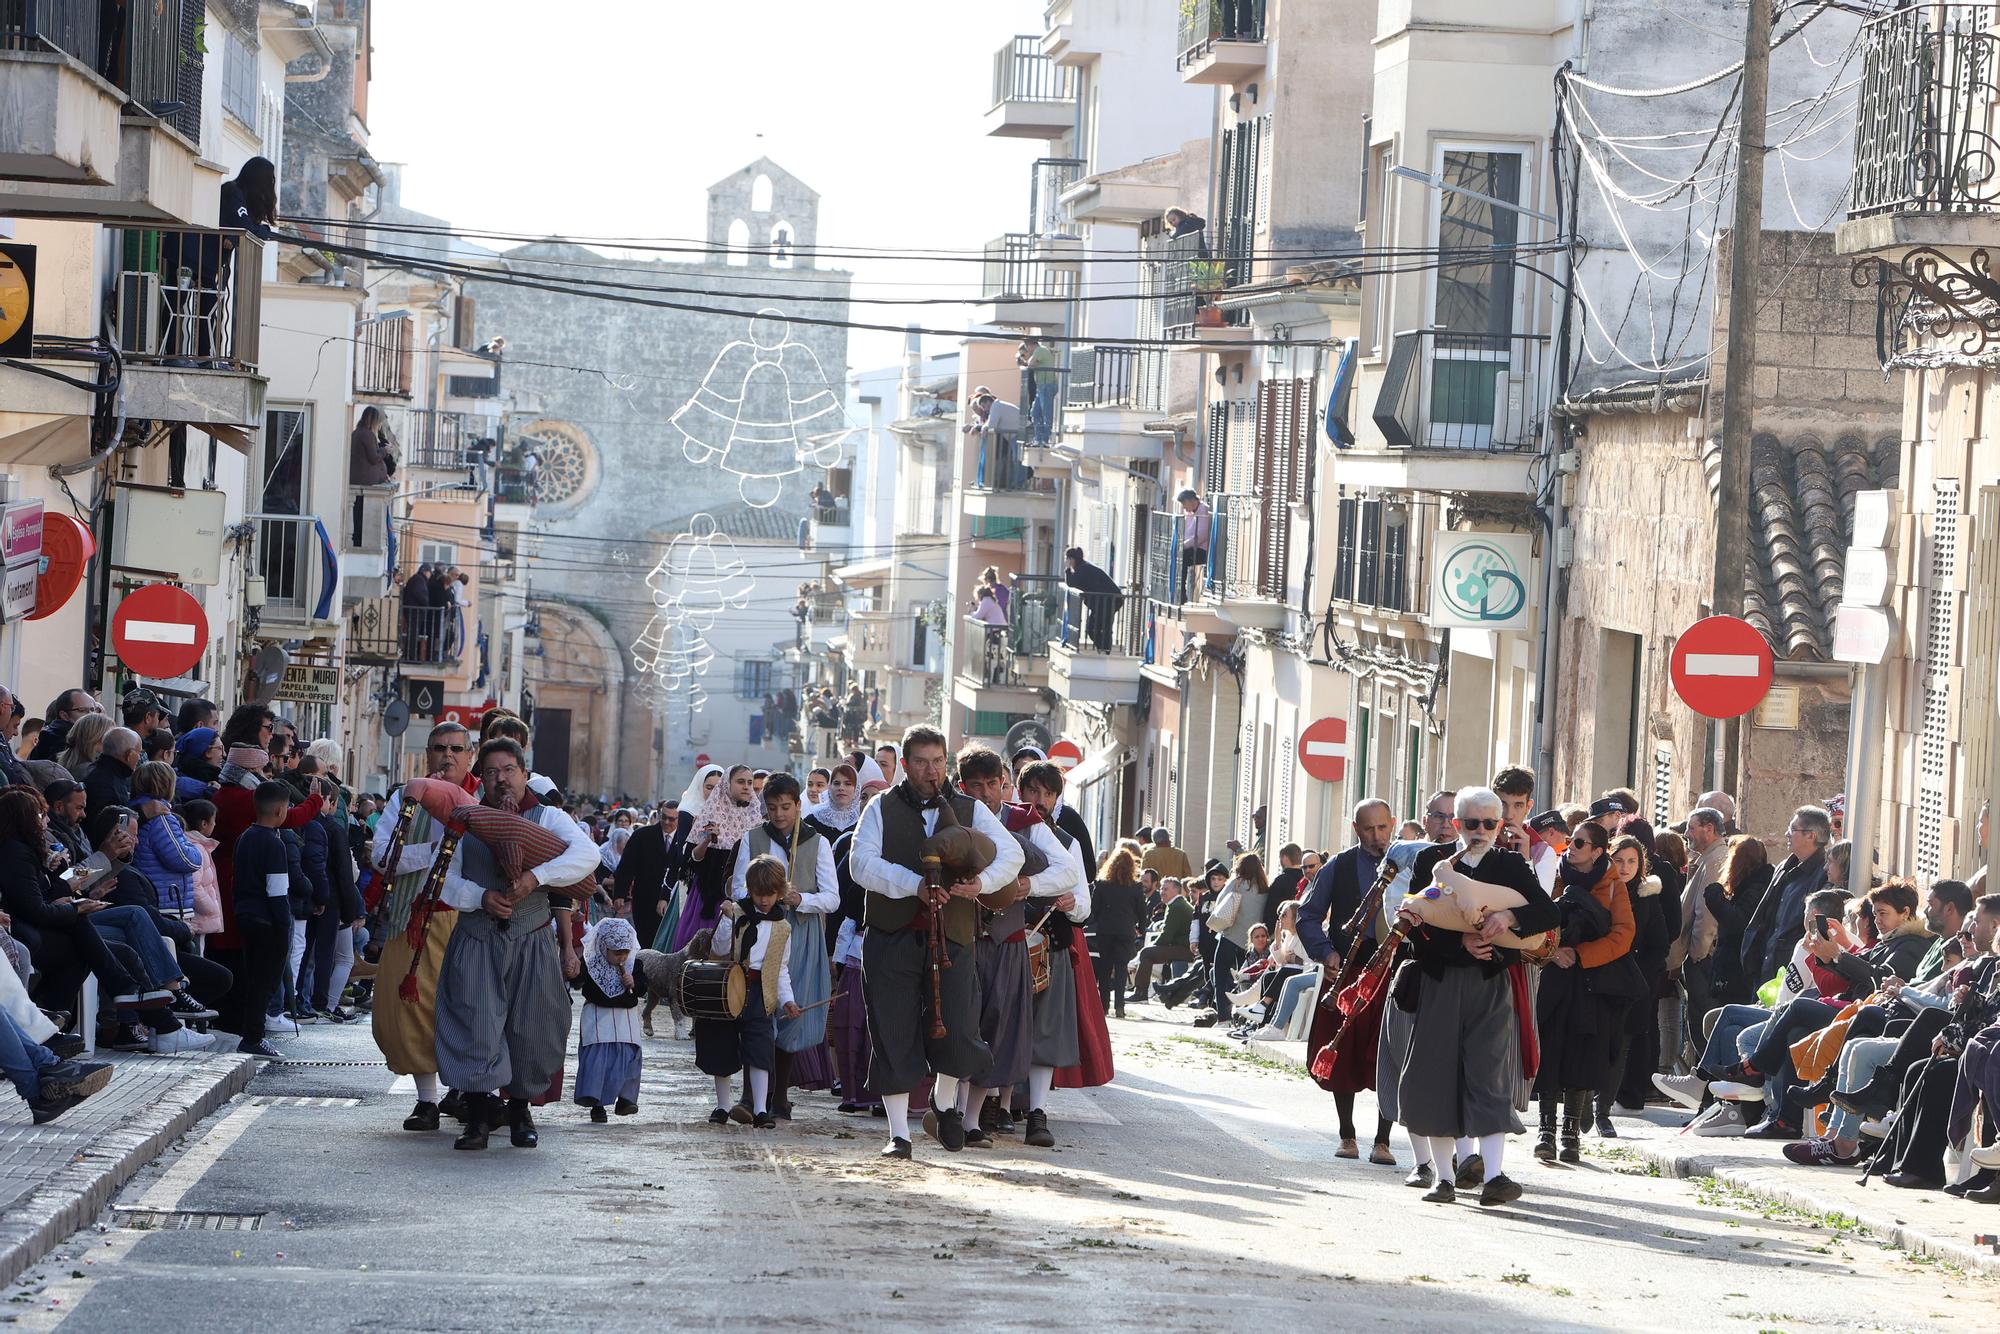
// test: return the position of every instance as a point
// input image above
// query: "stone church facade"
(646, 415)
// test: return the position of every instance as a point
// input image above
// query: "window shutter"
(1246, 779)
(1663, 784)
(1934, 786)
(1215, 473)
(1280, 821)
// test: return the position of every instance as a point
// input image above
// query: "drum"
(1038, 959)
(713, 989)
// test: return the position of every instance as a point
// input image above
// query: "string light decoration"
(759, 406)
(699, 577)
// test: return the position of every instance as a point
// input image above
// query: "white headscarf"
(839, 817)
(609, 933)
(614, 846)
(691, 799)
(871, 772)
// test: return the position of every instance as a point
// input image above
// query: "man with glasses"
(502, 1004)
(1463, 1069)
(64, 709)
(406, 1031)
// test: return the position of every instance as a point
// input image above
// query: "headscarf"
(871, 778)
(609, 933)
(614, 846)
(245, 766)
(839, 819)
(731, 821)
(692, 798)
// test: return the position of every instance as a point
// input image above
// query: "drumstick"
(815, 1005)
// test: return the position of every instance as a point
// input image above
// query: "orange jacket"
(1609, 948)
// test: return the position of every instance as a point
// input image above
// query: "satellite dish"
(1028, 732)
(395, 717)
(267, 672)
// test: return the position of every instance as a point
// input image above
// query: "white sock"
(897, 1106)
(968, 1099)
(722, 1098)
(1441, 1150)
(1464, 1147)
(1491, 1147)
(944, 1093)
(1041, 1078)
(427, 1087)
(1420, 1145)
(760, 1089)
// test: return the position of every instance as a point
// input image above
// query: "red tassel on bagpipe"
(407, 988)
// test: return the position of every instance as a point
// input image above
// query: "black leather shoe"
(625, 1107)
(951, 1130)
(521, 1125)
(975, 1138)
(1977, 1181)
(1985, 1194)
(1869, 1101)
(452, 1104)
(1039, 1136)
(1441, 1193)
(1421, 1176)
(477, 1128)
(719, 1117)
(1769, 1128)
(599, 1117)
(1470, 1173)
(65, 1046)
(1502, 1189)
(897, 1147)
(1914, 1181)
(425, 1117)
(764, 1121)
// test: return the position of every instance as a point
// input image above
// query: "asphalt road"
(1199, 1191)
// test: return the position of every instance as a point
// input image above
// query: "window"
(739, 243)
(287, 437)
(760, 195)
(1368, 559)
(1343, 557)
(781, 246)
(239, 81)
(437, 553)
(753, 681)
(1244, 191)
(1477, 298)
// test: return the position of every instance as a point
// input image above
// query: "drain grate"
(290, 1064)
(185, 1220)
(303, 1101)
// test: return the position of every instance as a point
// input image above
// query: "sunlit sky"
(612, 118)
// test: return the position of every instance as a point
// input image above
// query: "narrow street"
(1198, 1191)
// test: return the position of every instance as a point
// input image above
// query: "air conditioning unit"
(139, 313)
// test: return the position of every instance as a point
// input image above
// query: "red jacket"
(236, 811)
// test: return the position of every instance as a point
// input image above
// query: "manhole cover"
(185, 1220)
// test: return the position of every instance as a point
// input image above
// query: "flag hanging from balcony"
(329, 573)
(1337, 428)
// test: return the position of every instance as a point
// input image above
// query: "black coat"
(31, 896)
(1778, 924)
(107, 783)
(1090, 579)
(1117, 911)
(1284, 889)
(1437, 950)
(346, 897)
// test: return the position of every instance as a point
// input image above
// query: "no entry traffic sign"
(1721, 667)
(1066, 755)
(1323, 749)
(159, 630)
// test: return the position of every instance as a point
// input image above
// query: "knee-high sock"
(1490, 1149)
(1382, 1124)
(722, 1092)
(760, 1089)
(1343, 1105)
(1041, 1078)
(969, 1096)
(427, 1087)
(1420, 1146)
(1464, 1147)
(897, 1107)
(944, 1093)
(1441, 1151)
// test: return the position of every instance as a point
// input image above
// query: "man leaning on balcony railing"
(1100, 595)
(1197, 528)
(992, 415)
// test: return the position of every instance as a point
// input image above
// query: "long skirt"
(1461, 1070)
(1006, 1011)
(662, 938)
(406, 1031)
(849, 1026)
(606, 1072)
(1579, 1034)
(812, 982)
(895, 976)
(503, 1008)
(1055, 1042)
(692, 918)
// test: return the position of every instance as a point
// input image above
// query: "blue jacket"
(166, 856)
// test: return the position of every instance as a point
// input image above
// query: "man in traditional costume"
(887, 862)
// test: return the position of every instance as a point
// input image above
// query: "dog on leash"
(658, 978)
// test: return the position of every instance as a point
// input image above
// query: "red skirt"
(1093, 1035)
(1354, 1064)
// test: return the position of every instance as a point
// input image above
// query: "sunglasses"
(1479, 824)
(455, 750)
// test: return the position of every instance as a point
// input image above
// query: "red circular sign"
(1323, 749)
(1721, 667)
(1066, 755)
(159, 630)
(67, 547)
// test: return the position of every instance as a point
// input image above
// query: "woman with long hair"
(86, 743)
(1746, 876)
(1117, 911)
(1240, 907)
(1578, 1028)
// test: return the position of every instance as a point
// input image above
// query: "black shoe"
(65, 1046)
(49, 1106)
(1572, 1142)
(741, 1114)
(1422, 1175)
(1038, 1136)
(263, 1051)
(1470, 1172)
(1502, 1189)
(599, 1117)
(186, 1008)
(782, 1110)
(452, 1104)
(1816, 1095)
(1545, 1145)
(625, 1107)
(1605, 1130)
(951, 1129)
(1914, 1181)
(897, 1147)
(719, 1117)
(993, 1118)
(478, 1115)
(1441, 1193)
(1871, 1100)
(1772, 1128)
(1985, 1194)
(60, 1018)
(975, 1138)
(128, 1037)
(521, 1125)
(764, 1121)
(425, 1117)
(1977, 1181)
(850, 1109)
(82, 1078)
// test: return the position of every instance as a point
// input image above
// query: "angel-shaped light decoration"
(757, 409)
(700, 576)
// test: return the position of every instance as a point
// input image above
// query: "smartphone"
(125, 823)
(1824, 925)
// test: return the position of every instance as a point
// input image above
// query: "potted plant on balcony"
(1207, 277)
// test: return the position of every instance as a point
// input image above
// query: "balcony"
(381, 631)
(1103, 410)
(1103, 641)
(1074, 31)
(1382, 555)
(1033, 96)
(1007, 666)
(1187, 284)
(1465, 395)
(1245, 578)
(1221, 41)
(384, 356)
(1001, 486)
(1018, 291)
(370, 514)
(294, 557)
(1058, 243)
(187, 316)
(870, 636)
(822, 616)
(111, 140)
(1175, 585)
(459, 444)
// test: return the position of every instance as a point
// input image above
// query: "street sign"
(1862, 634)
(1323, 749)
(1721, 667)
(17, 591)
(425, 698)
(67, 547)
(159, 630)
(21, 532)
(1482, 581)
(305, 683)
(1066, 755)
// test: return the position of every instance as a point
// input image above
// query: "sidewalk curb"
(77, 1192)
(1684, 1164)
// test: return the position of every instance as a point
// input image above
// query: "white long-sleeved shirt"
(724, 946)
(1065, 874)
(577, 860)
(825, 897)
(875, 873)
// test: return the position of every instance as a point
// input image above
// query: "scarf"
(731, 821)
(609, 933)
(1581, 882)
(244, 766)
(871, 779)
(749, 923)
(839, 819)
(692, 798)
(783, 840)
(908, 796)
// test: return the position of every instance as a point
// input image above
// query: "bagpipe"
(1348, 994)
(954, 853)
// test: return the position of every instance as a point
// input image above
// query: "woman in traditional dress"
(707, 781)
(731, 810)
(812, 891)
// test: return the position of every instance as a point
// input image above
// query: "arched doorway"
(577, 678)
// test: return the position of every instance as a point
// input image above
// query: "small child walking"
(608, 1057)
(753, 933)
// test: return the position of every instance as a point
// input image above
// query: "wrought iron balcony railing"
(1206, 22)
(1108, 623)
(1104, 377)
(997, 465)
(1052, 176)
(384, 355)
(153, 53)
(191, 298)
(1021, 73)
(1445, 390)
(1246, 553)
(1012, 273)
(1925, 140)
(1034, 613)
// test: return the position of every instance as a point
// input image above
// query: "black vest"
(902, 843)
